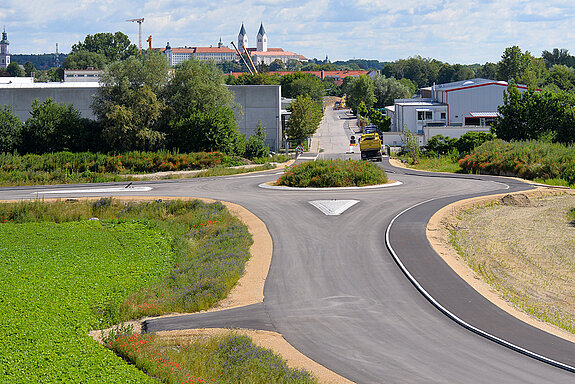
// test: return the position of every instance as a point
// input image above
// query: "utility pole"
(139, 21)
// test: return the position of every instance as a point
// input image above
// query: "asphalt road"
(337, 295)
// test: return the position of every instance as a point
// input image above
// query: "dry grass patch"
(524, 248)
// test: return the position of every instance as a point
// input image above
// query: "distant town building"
(4, 50)
(217, 54)
(262, 54)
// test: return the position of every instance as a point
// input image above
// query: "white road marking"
(333, 207)
(94, 190)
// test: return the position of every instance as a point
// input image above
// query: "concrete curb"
(282, 188)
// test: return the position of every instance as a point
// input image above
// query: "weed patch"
(220, 359)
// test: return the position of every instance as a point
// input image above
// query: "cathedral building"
(263, 54)
(4, 51)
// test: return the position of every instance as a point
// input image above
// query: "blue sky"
(455, 31)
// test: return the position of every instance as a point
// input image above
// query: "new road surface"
(354, 302)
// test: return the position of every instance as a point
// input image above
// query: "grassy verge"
(532, 269)
(66, 167)
(63, 274)
(441, 163)
(219, 359)
(333, 173)
(530, 160)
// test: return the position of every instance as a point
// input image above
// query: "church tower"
(242, 39)
(262, 39)
(4, 51)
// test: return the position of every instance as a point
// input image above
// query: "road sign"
(299, 150)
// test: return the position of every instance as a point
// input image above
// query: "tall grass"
(527, 159)
(67, 167)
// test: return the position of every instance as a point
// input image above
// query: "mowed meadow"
(70, 267)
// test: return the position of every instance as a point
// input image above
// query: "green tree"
(470, 140)
(293, 65)
(255, 79)
(52, 127)
(306, 115)
(114, 46)
(562, 76)
(440, 144)
(380, 120)
(512, 65)
(362, 89)
(84, 60)
(205, 130)
(29, 69)
(127, 103)
(536, 115)
(488, 71)
(298, 83)
(386, 90)
(277, 65)
(10, 130)
(15, 70)
(200, 109)
(255, 145)
(558, 57)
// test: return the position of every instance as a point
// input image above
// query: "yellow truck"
(370, 146)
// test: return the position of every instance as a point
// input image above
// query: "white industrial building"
(450, 110)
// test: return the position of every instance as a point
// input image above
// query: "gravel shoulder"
(519, 253)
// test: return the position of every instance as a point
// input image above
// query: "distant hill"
(41, 61)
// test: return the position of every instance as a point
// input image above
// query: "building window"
(424, 115)
(443, 115)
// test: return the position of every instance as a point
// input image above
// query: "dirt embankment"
(518, 251)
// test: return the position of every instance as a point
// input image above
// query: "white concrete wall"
(257, 102)
(260, 103)
(21, 96)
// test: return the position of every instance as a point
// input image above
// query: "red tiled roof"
(213, 50)
(340, 74)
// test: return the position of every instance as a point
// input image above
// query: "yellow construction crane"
(139, 21)
(149, 40)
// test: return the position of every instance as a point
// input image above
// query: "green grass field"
(58, 283)
(64, 275)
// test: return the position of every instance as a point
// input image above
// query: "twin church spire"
(262, 39)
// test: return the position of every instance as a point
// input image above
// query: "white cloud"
(457, 31)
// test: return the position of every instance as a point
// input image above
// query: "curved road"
(336, 294)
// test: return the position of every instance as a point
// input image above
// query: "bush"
(527, 159)
(333, 173)
(10, 130)
(256, 146)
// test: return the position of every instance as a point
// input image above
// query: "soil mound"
(517, 200)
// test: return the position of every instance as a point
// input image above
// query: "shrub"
(333, 173)
(10, 130)
(527, 159)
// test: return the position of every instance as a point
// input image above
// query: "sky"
(453, 31)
